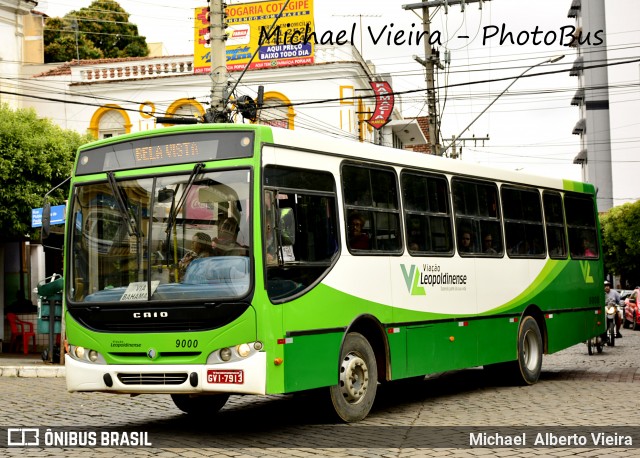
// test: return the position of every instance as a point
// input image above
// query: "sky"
(528, 128)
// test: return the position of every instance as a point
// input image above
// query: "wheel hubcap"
(530, 350)
(354, 378)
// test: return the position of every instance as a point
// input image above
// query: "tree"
(620, 242)
(35, 156)
(102, 30)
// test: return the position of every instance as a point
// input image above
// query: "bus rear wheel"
(527, 368)
(353, 396)
(200, 405)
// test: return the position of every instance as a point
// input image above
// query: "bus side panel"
(311, 361)
(498, 340)
(566, 329)
(574, 305)
(441, 347)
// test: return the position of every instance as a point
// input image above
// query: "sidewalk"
(31, 365)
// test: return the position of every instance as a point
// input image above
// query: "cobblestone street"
(595, 393)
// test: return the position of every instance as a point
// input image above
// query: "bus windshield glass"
(179, 237)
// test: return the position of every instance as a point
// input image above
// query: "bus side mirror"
(46, 220)
(287, 225)
(165, 195)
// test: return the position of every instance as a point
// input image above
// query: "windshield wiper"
(123, 208)
(175, 210)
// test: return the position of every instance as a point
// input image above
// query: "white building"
(15, 46)
(116, 96)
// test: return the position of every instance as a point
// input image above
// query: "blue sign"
(57, 215)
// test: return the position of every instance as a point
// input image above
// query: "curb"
(32, 372)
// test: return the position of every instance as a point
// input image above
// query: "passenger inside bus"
(487, 244)
(587, 250)
(225, 244)
(358, 239)
(200, 248)
(466, 241)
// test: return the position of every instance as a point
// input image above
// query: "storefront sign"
(247, 24)
(384, 104)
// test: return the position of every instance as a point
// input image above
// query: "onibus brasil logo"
(417, 279)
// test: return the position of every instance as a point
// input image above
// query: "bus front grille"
(158, 378)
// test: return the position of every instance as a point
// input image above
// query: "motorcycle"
(597, 343)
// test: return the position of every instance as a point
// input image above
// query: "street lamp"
(548, 61)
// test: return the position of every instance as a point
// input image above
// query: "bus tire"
(200, 405)
(353, 396)
(529, 363)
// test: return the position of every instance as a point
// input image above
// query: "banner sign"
(247, 24)
(384, 104)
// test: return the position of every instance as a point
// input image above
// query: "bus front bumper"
(247, 376)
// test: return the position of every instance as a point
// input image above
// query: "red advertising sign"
(384, 104)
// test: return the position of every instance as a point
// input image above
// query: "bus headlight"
(225, 354)
(79, 352)
(236, 353)
(243, 350)
(86, 355)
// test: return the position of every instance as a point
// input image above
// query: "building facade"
(116, 96)
(592, 99)
(112, 97)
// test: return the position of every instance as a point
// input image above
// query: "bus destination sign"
(166, 150)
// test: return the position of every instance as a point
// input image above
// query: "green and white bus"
(210, 260)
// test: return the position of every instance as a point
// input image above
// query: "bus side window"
(581, 226)
(427, 213)
(554, 220)
(479, 232)
(377, 205)
(523, 224)
(302, 215)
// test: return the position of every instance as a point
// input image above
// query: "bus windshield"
(173, 237)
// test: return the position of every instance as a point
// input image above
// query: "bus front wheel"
(200, 405)
(353, 396)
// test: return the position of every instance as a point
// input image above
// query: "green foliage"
(35, 156)
(620, 242)
(103, 31)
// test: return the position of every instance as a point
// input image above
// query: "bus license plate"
(235, 376)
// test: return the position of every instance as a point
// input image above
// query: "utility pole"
(430, 62)
(456, 153)
(218, 112)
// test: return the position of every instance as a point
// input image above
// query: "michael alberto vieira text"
(549, 440)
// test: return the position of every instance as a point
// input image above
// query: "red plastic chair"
(22, 329)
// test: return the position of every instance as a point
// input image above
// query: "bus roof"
(384, 154)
